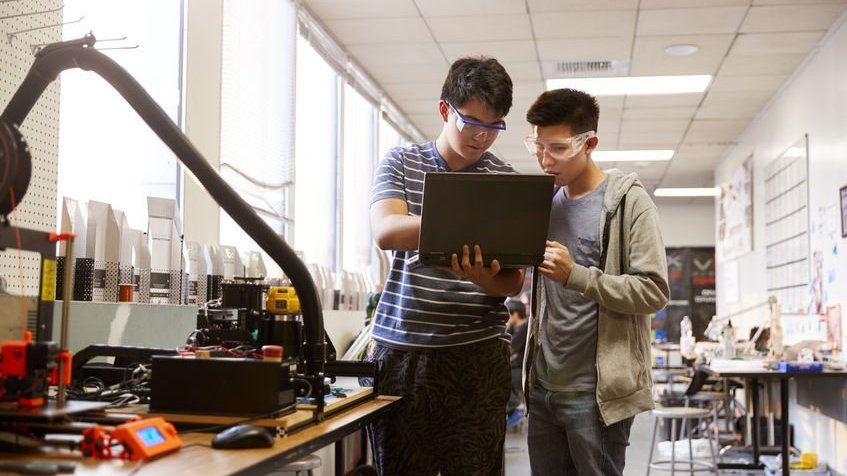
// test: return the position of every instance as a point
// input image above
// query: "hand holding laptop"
(473, 269)
(492, 279)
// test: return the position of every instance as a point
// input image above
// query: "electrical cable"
(20, 259)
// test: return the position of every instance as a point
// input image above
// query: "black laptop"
(505, 214)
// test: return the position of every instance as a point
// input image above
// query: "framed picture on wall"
(844, 211)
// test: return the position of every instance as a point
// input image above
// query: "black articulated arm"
(55, 58)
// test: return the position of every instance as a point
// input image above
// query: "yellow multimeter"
(282, 300)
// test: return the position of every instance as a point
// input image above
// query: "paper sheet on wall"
(730, 282)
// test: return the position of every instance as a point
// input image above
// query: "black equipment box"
(220, 386)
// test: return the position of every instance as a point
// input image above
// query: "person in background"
(604, 272)
(517, 326)
(440, 334)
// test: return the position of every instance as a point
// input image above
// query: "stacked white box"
(103, 244)
(164, 236)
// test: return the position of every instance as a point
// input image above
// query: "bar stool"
(712, 400)
(684, 414)
(303, 465)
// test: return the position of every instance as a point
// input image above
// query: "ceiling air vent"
(584, 69)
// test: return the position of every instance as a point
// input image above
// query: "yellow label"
(48, 280)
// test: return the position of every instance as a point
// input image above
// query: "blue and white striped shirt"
(420, 306)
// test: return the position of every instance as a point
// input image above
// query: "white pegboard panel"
(37, 210)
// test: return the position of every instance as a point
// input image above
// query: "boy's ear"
(443, 110)
(591, 144)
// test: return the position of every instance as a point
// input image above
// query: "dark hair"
(482, 78)
(516, 306)
(567, 107)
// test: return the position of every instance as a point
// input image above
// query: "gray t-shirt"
(568, 332)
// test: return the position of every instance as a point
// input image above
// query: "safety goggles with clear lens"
(559, 149)
(475, 129)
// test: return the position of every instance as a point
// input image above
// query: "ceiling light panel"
(688, 192)
(631, 155)
(635, 85)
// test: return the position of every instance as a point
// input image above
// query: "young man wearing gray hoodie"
(604, 272)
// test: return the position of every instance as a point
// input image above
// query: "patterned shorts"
(453, 413)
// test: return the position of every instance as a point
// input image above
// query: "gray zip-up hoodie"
(632, 284)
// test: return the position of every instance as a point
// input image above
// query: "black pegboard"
(37, 210)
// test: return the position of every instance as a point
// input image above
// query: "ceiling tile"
(431, 72)
(647, 127)
(609, 104)
(683, 112)
(733, 104)
(583, 49)
(581, 24)
(794, 2)
(609, 129)
(726, 83)
(654, 4)
(429, 124)
(516, 50)
(682, 179)
(450, 8)
(688, 21)
(652, 140)
(711, 131)
(480, 28)
(542, 6)
(650, 59)
(798, 43)
(727, 111)
(396, 54)
(379, 30)
(747, 65)
(522, 70)
(664, 100)
(421, 106)
(333, 9)
(405, 91)
(527, 90)
(791, 18)
(681, 164)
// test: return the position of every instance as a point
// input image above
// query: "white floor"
(517, 458)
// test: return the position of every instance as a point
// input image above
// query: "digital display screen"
(150, 436)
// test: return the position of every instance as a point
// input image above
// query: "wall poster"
(735, 220)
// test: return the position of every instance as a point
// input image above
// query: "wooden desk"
(197, 458)
(753, 376)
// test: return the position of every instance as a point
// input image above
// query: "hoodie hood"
(619, 185)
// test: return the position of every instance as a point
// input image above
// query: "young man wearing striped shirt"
(440, 334)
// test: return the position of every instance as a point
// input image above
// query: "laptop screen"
(506, 214)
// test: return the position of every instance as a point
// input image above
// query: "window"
(358, 162)
(389, 137)
(106, 152)
(257, 108)
(314, 226)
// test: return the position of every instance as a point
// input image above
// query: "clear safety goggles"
(559, 149)
(476, 129)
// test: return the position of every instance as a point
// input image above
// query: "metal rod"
(66, 312)
(15, 34)
(19, 15)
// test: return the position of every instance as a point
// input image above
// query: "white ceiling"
(749, 46)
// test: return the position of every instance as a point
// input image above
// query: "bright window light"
(688, 192)
(631, 155)
(635, 85)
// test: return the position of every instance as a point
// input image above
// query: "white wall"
(687, 225)
(813, 102)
